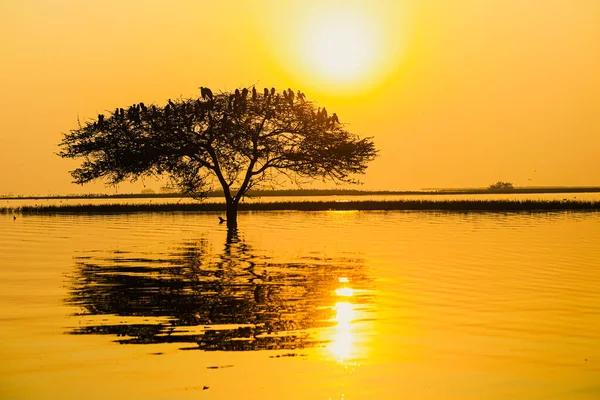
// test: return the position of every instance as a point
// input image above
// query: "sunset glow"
(339, 46)
(446, 90)
(303, 199)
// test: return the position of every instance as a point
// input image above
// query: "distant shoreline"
(325, 192)
(399, 205)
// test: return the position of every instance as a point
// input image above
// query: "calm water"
(329, 305)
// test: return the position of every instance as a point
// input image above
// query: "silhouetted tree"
(234, 139)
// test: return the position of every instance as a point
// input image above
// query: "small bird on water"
(221, 220)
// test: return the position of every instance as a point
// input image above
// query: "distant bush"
(501, 187)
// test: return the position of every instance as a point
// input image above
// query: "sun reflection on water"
(342, 345)
(344, 292)
(343, 338)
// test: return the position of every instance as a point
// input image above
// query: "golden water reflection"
(343, 339)
(237, 299)
(351, 332)
(507, 306)
(344, 292)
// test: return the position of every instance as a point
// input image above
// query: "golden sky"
(456, 92)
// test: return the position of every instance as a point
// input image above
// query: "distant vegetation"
(169, 193)
(527, 189)
(501, 187)
(445, 205)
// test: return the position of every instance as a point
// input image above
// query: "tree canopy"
(238, 139)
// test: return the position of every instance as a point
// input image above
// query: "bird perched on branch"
(206, 93)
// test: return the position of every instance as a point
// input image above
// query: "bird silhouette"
(206, 93)
(253, 94)
(221, 220)
(266, 92)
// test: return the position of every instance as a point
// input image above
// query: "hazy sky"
(456, 92)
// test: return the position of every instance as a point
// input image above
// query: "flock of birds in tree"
(237, 102)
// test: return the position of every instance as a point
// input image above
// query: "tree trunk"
(231, 215)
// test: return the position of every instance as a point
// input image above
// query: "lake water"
(322, 305)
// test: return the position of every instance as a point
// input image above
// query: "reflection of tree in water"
(236, 300)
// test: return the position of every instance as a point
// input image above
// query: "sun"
(339, 46)
(333, 47)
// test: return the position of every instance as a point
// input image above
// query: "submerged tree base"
(400, 205)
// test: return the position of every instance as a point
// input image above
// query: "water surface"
(340, 305)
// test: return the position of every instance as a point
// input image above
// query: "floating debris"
(289, 355)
